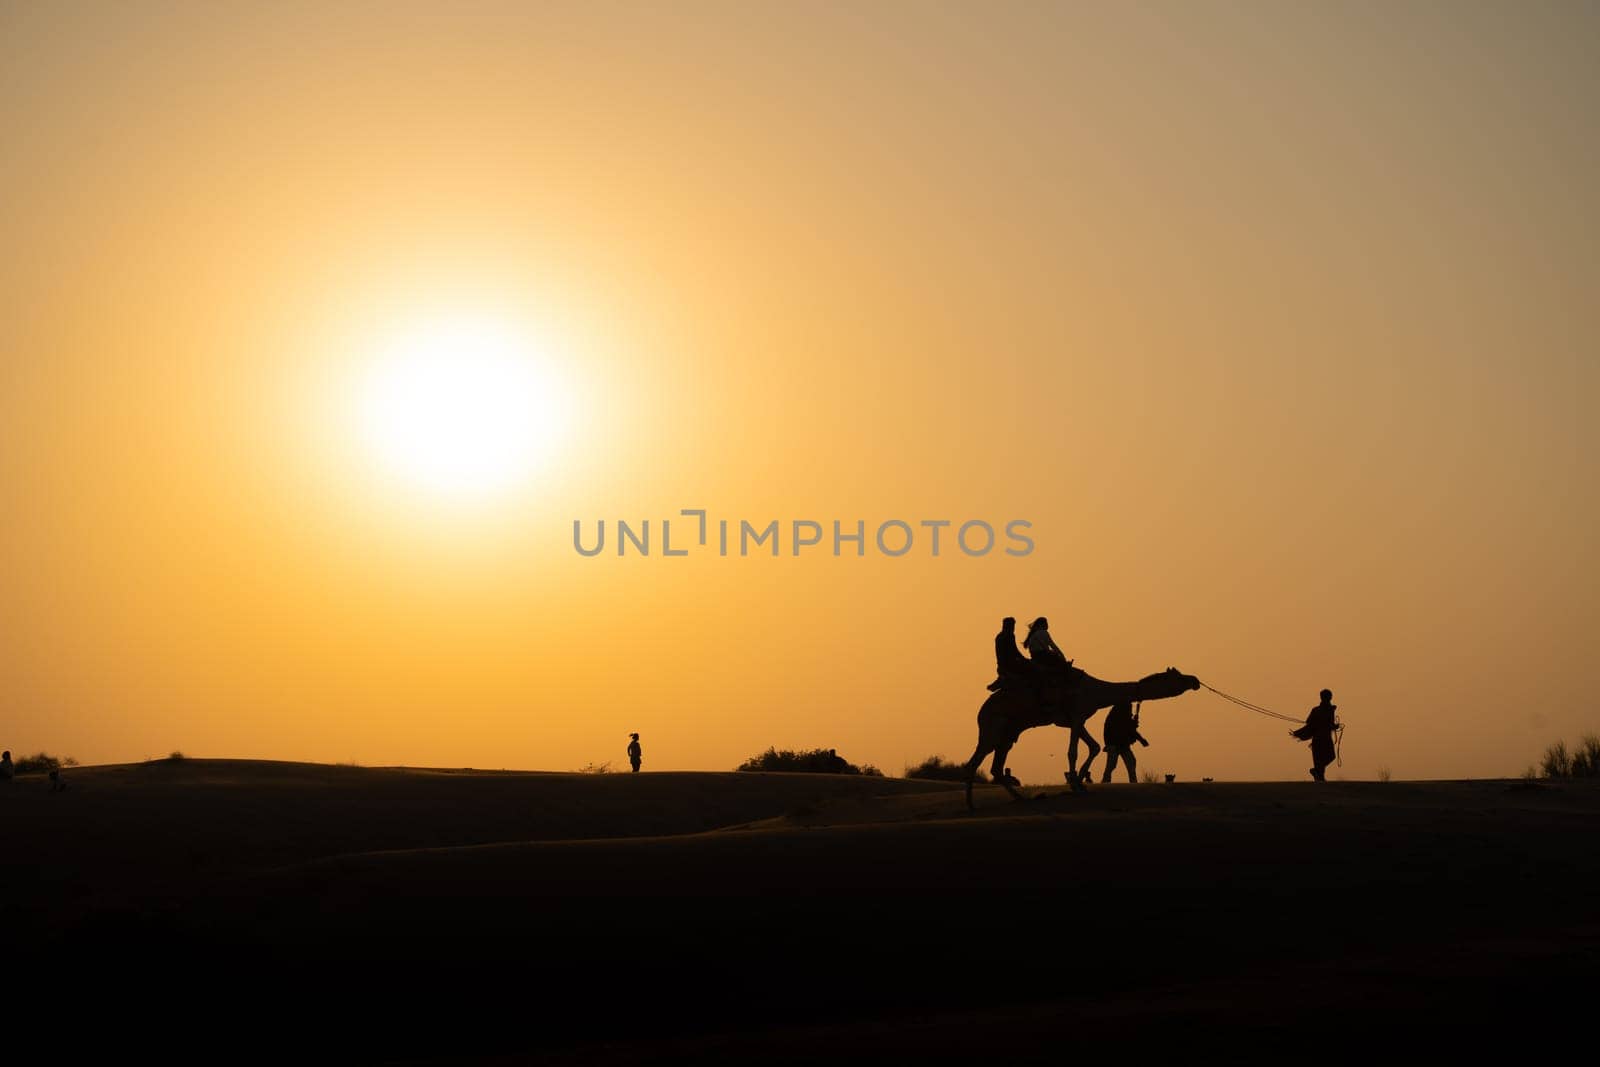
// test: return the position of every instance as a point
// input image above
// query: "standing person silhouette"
(1319, 730)
(635, 753)
(7, 770)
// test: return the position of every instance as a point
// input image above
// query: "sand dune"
(166, 823)
(787, 917)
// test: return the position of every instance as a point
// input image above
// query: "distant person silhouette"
(1009, 662)
(1122, 730)
(7, 771)
(1319, 729)
(58, 784)
(635, 753)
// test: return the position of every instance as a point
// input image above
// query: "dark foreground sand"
(432, 915)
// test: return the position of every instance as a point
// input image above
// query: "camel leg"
(1076, 778)
(1094, 750)
(997, 770)
(972, 767)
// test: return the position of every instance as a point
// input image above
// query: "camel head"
(1169, 683)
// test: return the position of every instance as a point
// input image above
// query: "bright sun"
(461, 406)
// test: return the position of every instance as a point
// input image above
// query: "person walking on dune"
(635, 753)
(1319, 729)
(1122, 730)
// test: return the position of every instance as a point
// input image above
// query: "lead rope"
(1257, 708)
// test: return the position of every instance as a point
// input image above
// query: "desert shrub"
(1557, 761)
(1383, 774)
(808, 761)
(1581, 761)
(938, 769)
(1148, 777)
(43, 763)
(1586, 758)
(595, 768)
(175, 756)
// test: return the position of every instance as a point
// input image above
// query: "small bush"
(1586, 760)
(1557, 762)
(1581, 762)
(175, 756)
(43, 763)
(809, 761)
(1383, 774)
(595, 768)
(938, 769)
(1148, 777)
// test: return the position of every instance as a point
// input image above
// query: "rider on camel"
(1052, 670)
(1046, 656)
(1010, 664)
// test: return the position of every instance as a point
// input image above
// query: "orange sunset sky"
(1277, 321)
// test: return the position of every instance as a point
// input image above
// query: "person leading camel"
(1319, 729)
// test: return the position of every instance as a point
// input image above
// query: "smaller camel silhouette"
(1006, 714)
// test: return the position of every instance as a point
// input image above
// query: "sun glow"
(461, 406)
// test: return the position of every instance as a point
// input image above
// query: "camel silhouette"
(1016, 708)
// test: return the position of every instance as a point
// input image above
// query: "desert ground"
(449, 915)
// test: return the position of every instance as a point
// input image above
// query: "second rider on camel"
(1053, 672)
(1042, 647)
